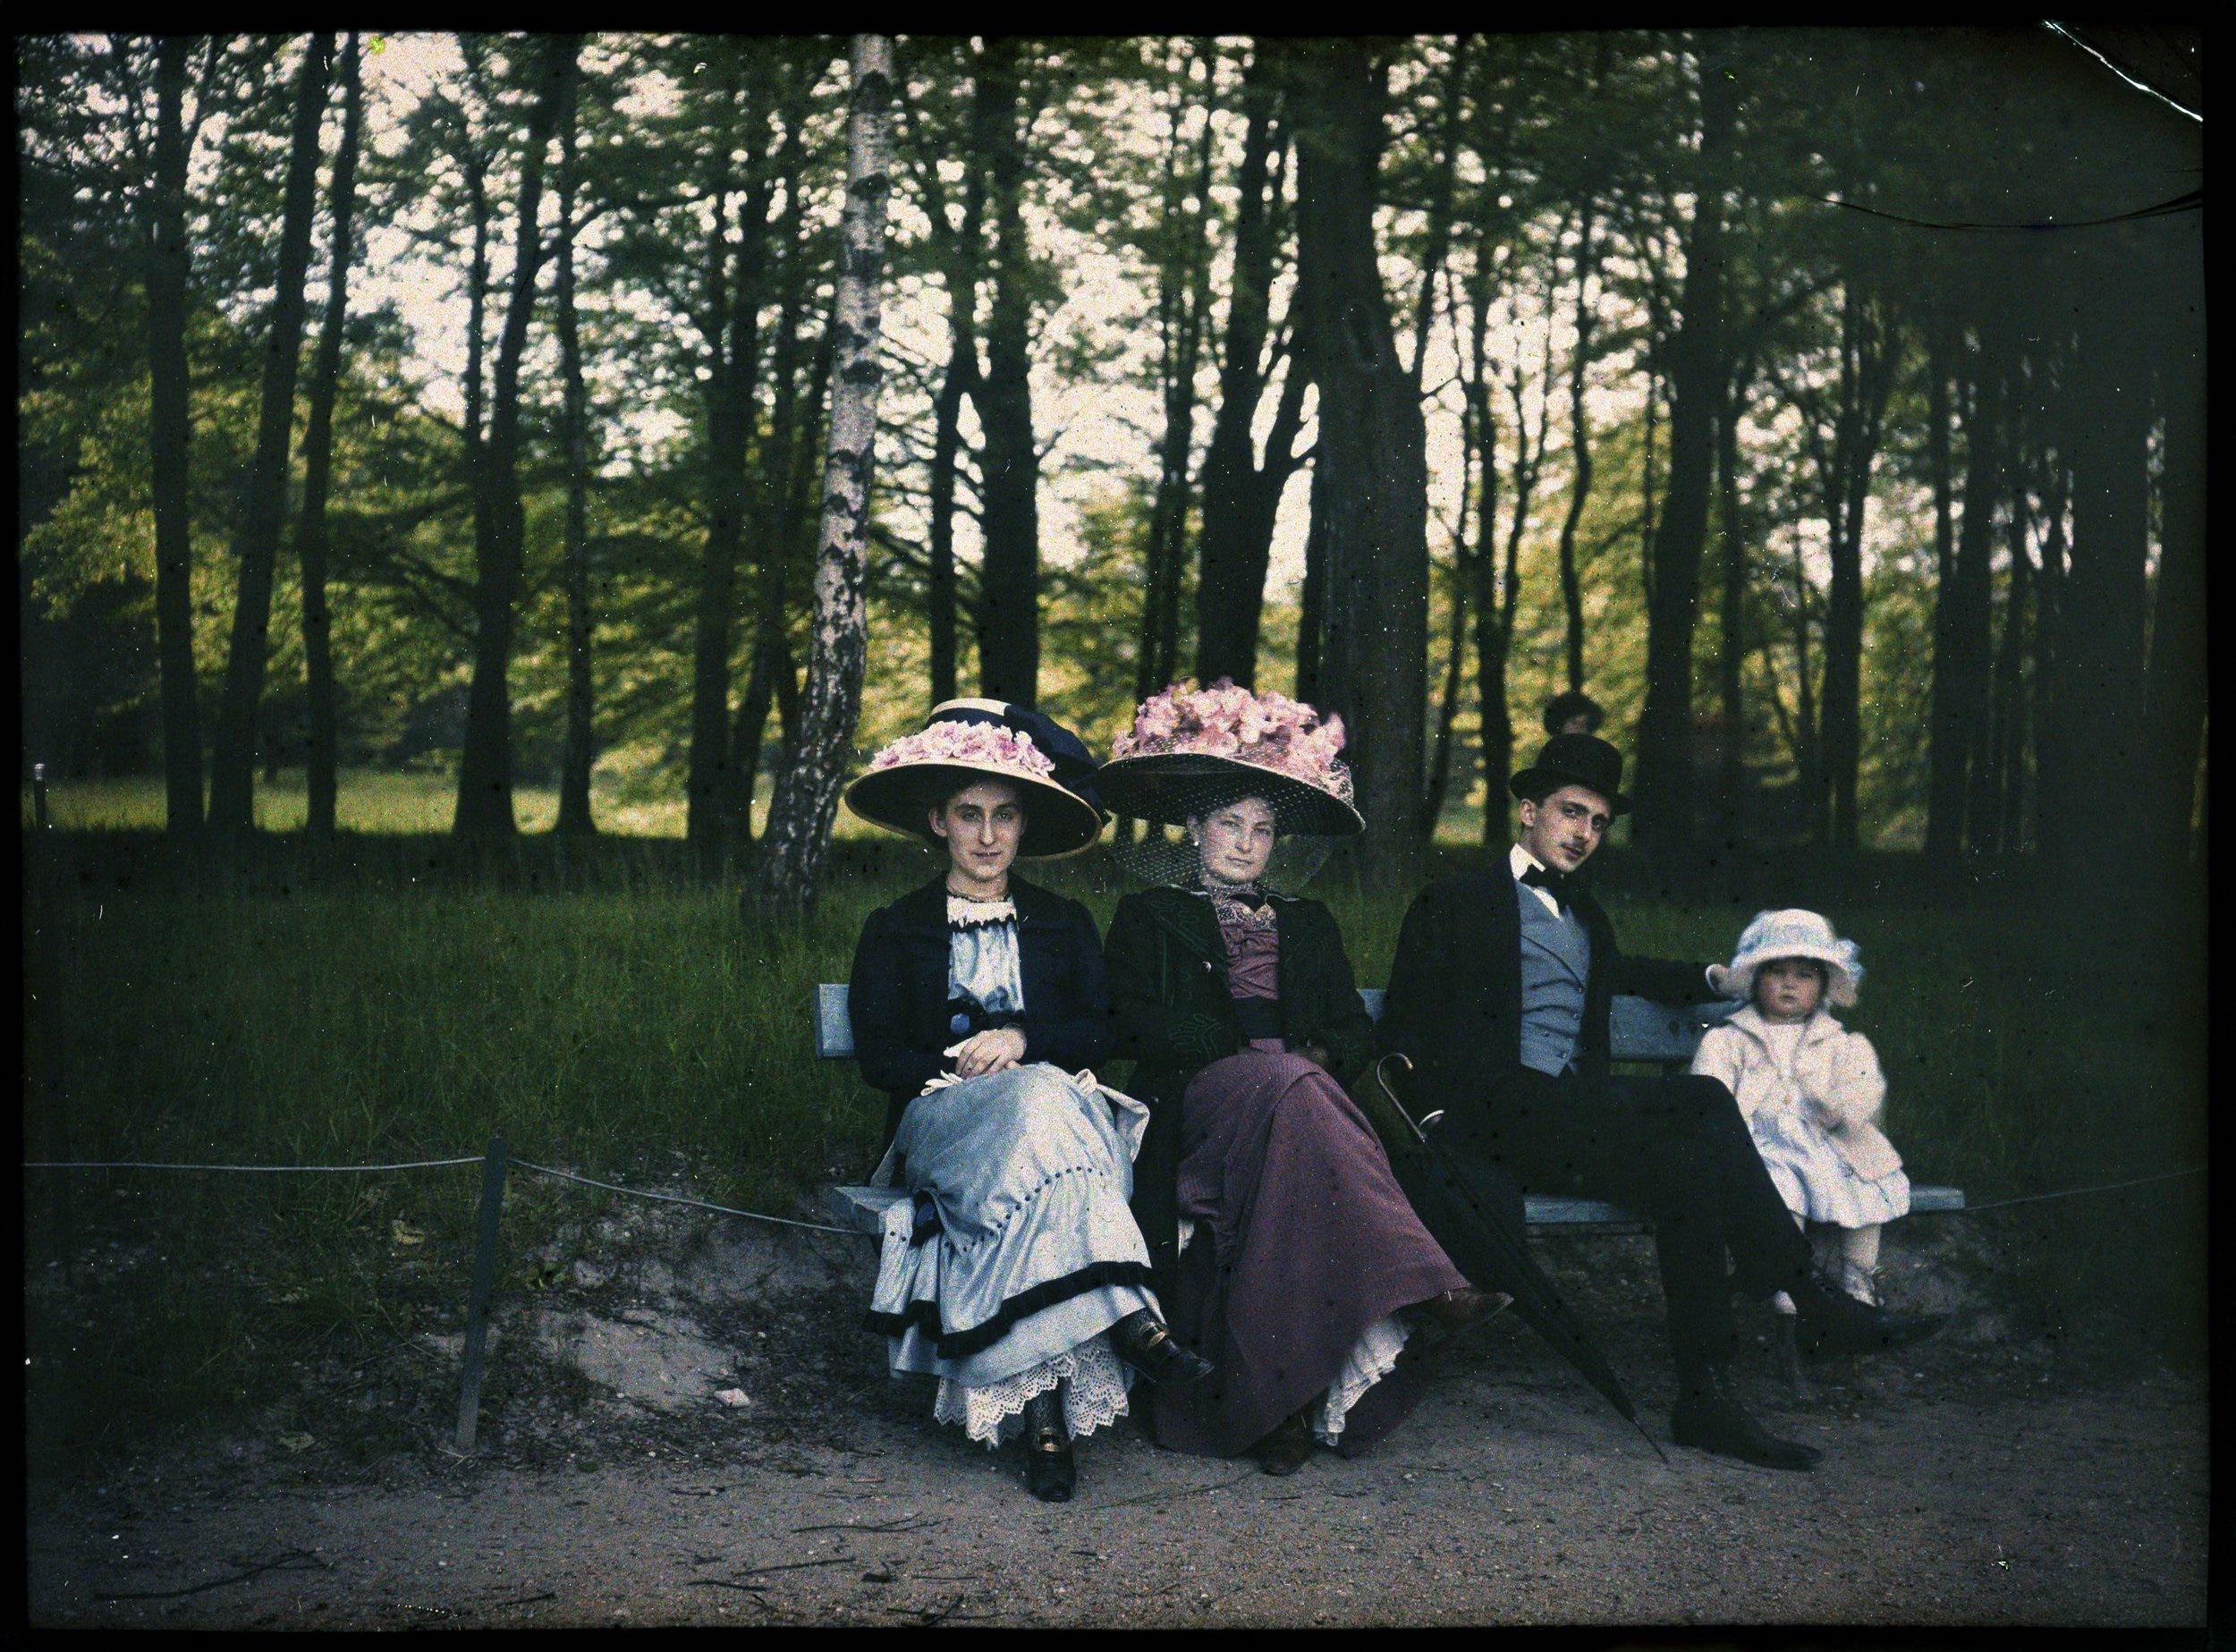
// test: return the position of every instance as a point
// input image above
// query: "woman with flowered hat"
(1015, 1273)
(1285, 1248)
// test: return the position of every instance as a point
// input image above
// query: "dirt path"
(1973, 1481)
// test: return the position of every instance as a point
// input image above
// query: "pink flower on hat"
(972, 744)
(1264, 728)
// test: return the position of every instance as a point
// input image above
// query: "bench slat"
(1640, 1029)
(863, 1208)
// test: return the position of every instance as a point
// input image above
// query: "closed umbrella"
(1474, 1210)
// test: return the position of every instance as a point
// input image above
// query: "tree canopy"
(1827, 402)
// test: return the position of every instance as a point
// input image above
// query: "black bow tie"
(1554, 883)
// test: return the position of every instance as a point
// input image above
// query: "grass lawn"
(642, 1032)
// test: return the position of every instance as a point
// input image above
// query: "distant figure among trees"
(1572, 711)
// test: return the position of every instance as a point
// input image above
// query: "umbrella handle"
(1399, 1055)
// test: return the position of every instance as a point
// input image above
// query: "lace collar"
(963, 913)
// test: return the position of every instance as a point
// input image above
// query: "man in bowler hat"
(1499, 995)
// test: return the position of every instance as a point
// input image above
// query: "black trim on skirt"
(961, 1344)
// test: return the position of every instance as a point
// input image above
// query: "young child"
(1810, 1090)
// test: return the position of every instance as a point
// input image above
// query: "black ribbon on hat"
(1075, 766)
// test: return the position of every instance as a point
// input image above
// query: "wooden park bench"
(1641, 1032)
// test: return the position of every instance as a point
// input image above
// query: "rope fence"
(135, 1164)
(2036, 1198)
(678, 1198)
(498, 1160)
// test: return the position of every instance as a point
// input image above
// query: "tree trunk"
(1312, 619)
(1995, 815)
(964, 260)
(784, 509)
(1494, 596)
(170, 433)
(1808, 747)
(1580, 448)
(321, 759)
(485, 771)
(963, 374)
(1183, 300)
(2049, 606)
(1373, 452)
(1436, 240)
(1943, 830)
(1731, 613)
(2174, 702)
(1448, 696)
(2096, 721)
(1697, 375)
(1967, 596)
(264, 503)
(579, 750)
(785, 882)
(734, 288)
(1009, 584)
(1983, 810)
(1868, 349)
(1230, 575)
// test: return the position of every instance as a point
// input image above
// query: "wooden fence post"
(492, 1168)
(39, 794)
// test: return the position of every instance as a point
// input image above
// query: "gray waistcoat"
(1556, 955)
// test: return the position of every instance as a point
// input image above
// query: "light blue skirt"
(1016, 1245)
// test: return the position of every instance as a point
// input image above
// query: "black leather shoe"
(1147, 1343)
(1286, 1449)
(1709, 1417)
(1833, 1323)
(1050, 1473)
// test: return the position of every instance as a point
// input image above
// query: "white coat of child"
(1810, 1090)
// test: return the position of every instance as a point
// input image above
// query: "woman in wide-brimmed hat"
(1291, 1255)
(1016, 1273)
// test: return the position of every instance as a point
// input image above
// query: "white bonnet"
(1794, 933)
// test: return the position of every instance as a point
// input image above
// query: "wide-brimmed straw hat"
(1574, 760)
(1794, 933)
(1191, 748)
(967, 741)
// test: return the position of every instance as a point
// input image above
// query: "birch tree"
(786, 876)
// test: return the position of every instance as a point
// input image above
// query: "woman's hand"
(995, 1050)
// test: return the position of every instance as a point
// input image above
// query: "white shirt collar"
(1522, 860)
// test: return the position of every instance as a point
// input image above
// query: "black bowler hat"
(1574, 760)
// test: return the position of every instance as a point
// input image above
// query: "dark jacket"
(1171, 1014)
(897, 995)
(1454, 1004)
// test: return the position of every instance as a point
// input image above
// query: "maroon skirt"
(1302, 1240)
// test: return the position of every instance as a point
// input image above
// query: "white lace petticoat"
(1093, 1378)
(1373, 1357)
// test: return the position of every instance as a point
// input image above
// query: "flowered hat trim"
(1192, 732)
(971, 739)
